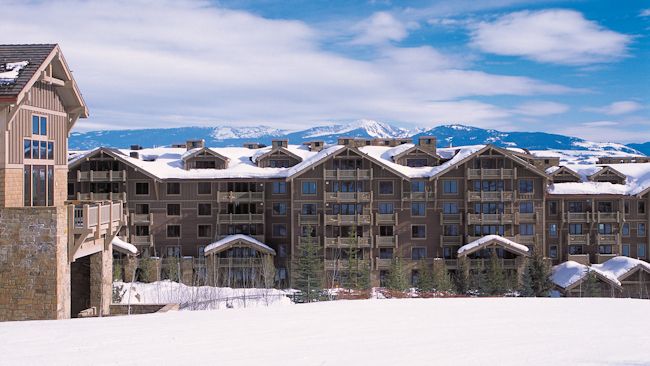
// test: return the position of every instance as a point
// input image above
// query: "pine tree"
(536, 279)
(308, 269)
(442, 281)
(425, 280)
(397, 276)
(495, 280)
(462, 277)
(591, 287)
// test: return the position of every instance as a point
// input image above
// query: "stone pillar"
(130, 266)
(101, 280)
(209, 270)
(187, 270)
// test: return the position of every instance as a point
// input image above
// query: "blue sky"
(572, 67)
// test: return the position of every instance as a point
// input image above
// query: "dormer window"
(205, 164)
(39, 125)
(278, 163)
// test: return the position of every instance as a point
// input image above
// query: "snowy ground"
(451, 331)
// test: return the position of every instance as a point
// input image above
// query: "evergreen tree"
(536, 279)
(495, 280)
(308, 268)
(479, 281)
(441, 279)
(591, 287)
(357, 276)
(425, 280)
(397, 276)
(462, 277)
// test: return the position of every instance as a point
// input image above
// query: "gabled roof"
(607, 169)
(490, 240)
(621, 267)
(41, 57)
(565, 170)
(115, 153)
(194, 152)
(235, 241)
(256, 158)
(412, 149)
(570, 274)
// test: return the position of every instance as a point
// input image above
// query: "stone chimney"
(194, 144)
(279, 143)
(427, 143)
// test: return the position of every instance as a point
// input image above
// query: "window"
(27, 149)
(205, 164)
(525, 186)
(142, 188)
(488, 185)
(279, 188)
(174, 251)
(575, 249)
(552, 207)
(417, 186)
(279, 230)
(418, 231)
(640, 251)
(278, 163)
(385, 187)
(173, 209)
(142, 230)
(418, 209)
(604, 228)
(308, 209)
(526, 207)
(201, 251)
(43, 149)
(640, 231)
(450, 207)
(204, 209)
(39, 125)
(141, 208)
(488, 208)
(35, 151)
(50, 150)
(279, 209)
(282, 250)
(385, 253)
(575, 229)
(386, 230)
(415, 277)
(626, 207)
(450, 230)
(605, 206)
(450, 187)
(552, 251)
(526, 229)
(173, 231)
(386, 208)
(626, 250)
(416, 162)
(640, 209)
(418, 253)
(205, 231)
(204, 188)
(449, 252)
(552, 230)
(307, 231)
(625, 230)
(575, 206)
(309, 187)
(173, 188)
(605, 249)
(38, 185)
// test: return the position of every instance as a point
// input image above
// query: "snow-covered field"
(451, 331)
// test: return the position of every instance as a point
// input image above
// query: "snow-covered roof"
(492, 239)
(570, 273)
(620, 266)
(123, 247)
(12, 70)
(224, 243)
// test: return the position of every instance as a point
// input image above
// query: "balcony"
(306, 239)
(525, 217)
(146, 219)
(607, 239)
(417, 196)
(580, 258)
(525, 195)
(490, 196)
(91, 226)
(386, 241)
(308, 219)
(490, 173)
(339, 174)
(238, 262)
(240, 196)
(451, 239)
(347, 242)
(600, 258)
(609, 217)
(348, 196)
(578, 239)
(485, 263)
(121, 196)
(101, 176)
(248, 218)
(339, 264)
(142, 240)
(348, 219)
(259, 238)
(483, 219)
(473, 238)
(580, 217)
(529, 240)
(390, 219)
(449, 218)
(451, 263)
(383, 263)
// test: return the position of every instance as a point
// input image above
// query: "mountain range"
(447, 135)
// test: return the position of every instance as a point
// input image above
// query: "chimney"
(279, 143)
(134, 154)
(427, 143)
(194, 144)
(136, 147)
(315, 146)
(253, 145)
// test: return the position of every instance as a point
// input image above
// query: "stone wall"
(34, 267)
(11, 187)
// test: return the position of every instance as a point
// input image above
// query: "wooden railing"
(418, 196)
(121, 196)
(386, 241)
(95, 215)
(385, 218)
(308, 219)
(348, 219)
(490, 173)
(348, 196)
(447, 218)
(489, 196)
(142, 240)
(355, 174)
(489, 218)
(240, 196)
(383, 263)
(344, 242)
(576, 217)
(307, 239)
(141, 218)
(578, 239)
(241, 218)
(451, 240)
(101, 176)
(338, 264)
(604, 239)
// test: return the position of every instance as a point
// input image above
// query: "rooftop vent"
(136, 147)
(134, 154)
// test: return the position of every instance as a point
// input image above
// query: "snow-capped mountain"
(454, 135)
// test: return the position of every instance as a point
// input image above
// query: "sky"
(579, 68)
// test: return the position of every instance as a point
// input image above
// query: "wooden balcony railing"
(418, 196)
(348, 196)
(385, 218)
(240, 196)
(383, 263)
(451, 240)
(241, 218)
(348, 219)
(578, 239)
(356, 174)
(97, 215)
(490, 196)
(478, 219)
(606, 239)
(580, 217)
(121, 196)
(346, 242)
(308, 219)
(101, 176)
(339, 264)
(141, 219)
(142, 240)
(386, 241)
(490, 173)
(448, 218)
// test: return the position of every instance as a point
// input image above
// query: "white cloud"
(541, 108)
(645, 13)
(600, 123)
(380, 28)
(167, 63)
(617, 108)
(553, 36)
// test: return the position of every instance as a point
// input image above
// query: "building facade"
(374, 199)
